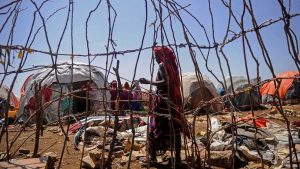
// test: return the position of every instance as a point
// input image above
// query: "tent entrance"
(79, 100)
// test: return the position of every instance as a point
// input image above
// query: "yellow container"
(12, 114)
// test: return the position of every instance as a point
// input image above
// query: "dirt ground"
(53, 141)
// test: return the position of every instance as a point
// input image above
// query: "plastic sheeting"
(288, 89)
(47, 77)
(14, 101)
(194, 92)
(244, 100)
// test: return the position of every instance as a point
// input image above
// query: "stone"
(122, 163)
(273, 111)
(88, 162)
(52, 155)
(93, 160)
(135, 147)
(118, 154)
(2, 156)
(221, 159)
(116, 148)
(24, 151)
(138, 154)
(95, 154)
(30, 155)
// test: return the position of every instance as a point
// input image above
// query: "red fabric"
(14, 100)
(31, 103)
(22, 91)
(269, 88)
(296, 123)
(166, 56)
(74, 127)
(47, 92)
(260, 122)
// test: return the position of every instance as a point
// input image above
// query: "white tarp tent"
(244, 100)
(81, 75)
(14, 101)
(193, 93)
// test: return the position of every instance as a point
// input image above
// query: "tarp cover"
(48, 78)
(193, 93)
(14, 101)
(243, 101)
(269, 88)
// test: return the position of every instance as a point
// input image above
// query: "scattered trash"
(24, 151)
(259, 122)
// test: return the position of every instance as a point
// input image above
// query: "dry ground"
(53, 142)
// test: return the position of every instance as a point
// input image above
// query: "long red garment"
(166, 56)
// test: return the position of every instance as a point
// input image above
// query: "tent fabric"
(52, 85)
(14, 101)
(193, 93)
(237, 82)
(269, 88)
(243, 100)
(24, 86)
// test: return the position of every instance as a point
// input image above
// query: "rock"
(88, 162)
(93, 160)
(118, 154)
(52, 155)
(137, 154)
(297, 146)
(116, 148)
(221, 159)
(24, 151)
(30, 155)
(127, 146)
(122, 163)
(95, 155)
(123, 125)
(273, 111)
(253, 164)
(2, 156)
(201, 133)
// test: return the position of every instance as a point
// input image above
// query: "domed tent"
(243, 100)
(52, 84)
(25, 86)
(194, 94)
(13, 101)
(289, 89)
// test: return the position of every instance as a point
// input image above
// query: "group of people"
(129, 97)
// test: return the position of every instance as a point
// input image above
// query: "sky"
(128, 32)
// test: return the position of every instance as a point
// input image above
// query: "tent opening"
(79, 99)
